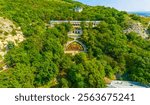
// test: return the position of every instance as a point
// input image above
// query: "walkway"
(75, 34)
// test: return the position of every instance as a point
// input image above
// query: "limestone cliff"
(137, 27)
(9, 33)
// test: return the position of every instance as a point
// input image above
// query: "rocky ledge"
(9, 34)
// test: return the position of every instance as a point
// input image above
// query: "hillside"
(10, 36)
(40, 61)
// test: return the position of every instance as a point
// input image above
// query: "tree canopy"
(39, 61)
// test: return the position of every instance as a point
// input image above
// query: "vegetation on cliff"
(39, 61)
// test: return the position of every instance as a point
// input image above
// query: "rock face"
(9, 33)
(138, 28)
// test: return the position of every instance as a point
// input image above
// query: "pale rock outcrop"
(138, 28)
(9, 33)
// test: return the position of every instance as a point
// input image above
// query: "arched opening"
(74, 46)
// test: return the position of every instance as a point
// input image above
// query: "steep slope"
(39, 61)
(10, 36)
(138, 25)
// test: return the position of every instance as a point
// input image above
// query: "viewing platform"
(73, 22)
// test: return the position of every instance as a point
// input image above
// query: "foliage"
(40, 60)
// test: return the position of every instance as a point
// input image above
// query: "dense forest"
(39, 61)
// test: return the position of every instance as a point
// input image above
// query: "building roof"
(66, 21)
(78, 9)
